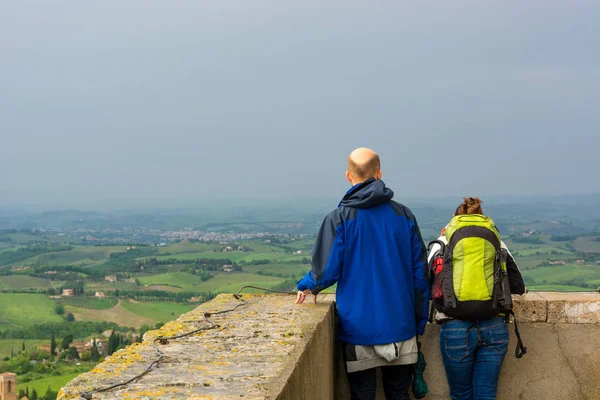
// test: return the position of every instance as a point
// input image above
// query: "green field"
(107, 250)
(160, 312)
(556, 288)
(23, 282)
(41, 385)
(24, 238)
(90, 302)
(21, 309)
(534, 261)
(71, 257)
(294, 270)
(231, 283)
(105, 286)
(237, 256)
(515, 247)
(265, 248)
(55, 382)
(558, 273)
(164, 288)
(300, 244)
(117, 314)
(182, 248)
(182, 280)
(587, 244)
(16, 344)
(219, 283)
(79, 256)
(541, 251)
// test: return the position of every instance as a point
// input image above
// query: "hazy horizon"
(113, 103)
(318, 204)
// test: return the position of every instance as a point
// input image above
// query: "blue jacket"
(371, 246)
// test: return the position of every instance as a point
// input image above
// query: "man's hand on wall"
(302, 295)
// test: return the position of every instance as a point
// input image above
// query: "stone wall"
(273, 349)
(267, 349)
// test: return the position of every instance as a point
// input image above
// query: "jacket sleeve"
(515, 279)
(327, 256)
(420, 278)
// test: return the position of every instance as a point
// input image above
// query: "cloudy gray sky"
(125, 101)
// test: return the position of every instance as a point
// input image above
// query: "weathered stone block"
(531, 307)
(573, 308)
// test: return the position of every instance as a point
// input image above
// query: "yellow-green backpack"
(474, 280)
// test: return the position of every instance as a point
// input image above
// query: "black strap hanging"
(520, 350)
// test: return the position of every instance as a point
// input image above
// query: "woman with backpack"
(473, 277)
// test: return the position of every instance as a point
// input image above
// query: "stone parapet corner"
(558, 308)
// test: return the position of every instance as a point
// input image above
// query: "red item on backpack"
(438, 266)
(436, 269)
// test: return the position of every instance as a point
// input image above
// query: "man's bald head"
(363, 164)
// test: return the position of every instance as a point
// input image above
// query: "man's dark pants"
(396, 382)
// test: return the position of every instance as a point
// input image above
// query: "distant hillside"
(554, 214)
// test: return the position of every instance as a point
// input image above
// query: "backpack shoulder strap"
(520, 350)
(474, 231)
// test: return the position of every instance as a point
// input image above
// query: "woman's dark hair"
(470, 205)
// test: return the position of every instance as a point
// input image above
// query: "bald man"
(372, 248)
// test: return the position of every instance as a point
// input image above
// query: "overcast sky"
(126, 101)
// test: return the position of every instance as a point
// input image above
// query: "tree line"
(30, 250)
(33, 395)
(46, 329)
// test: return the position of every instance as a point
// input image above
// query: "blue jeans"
(396, 382)
(473, 352)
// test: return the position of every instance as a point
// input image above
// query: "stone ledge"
(557, 308)
(248, 356)
(572, 308)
